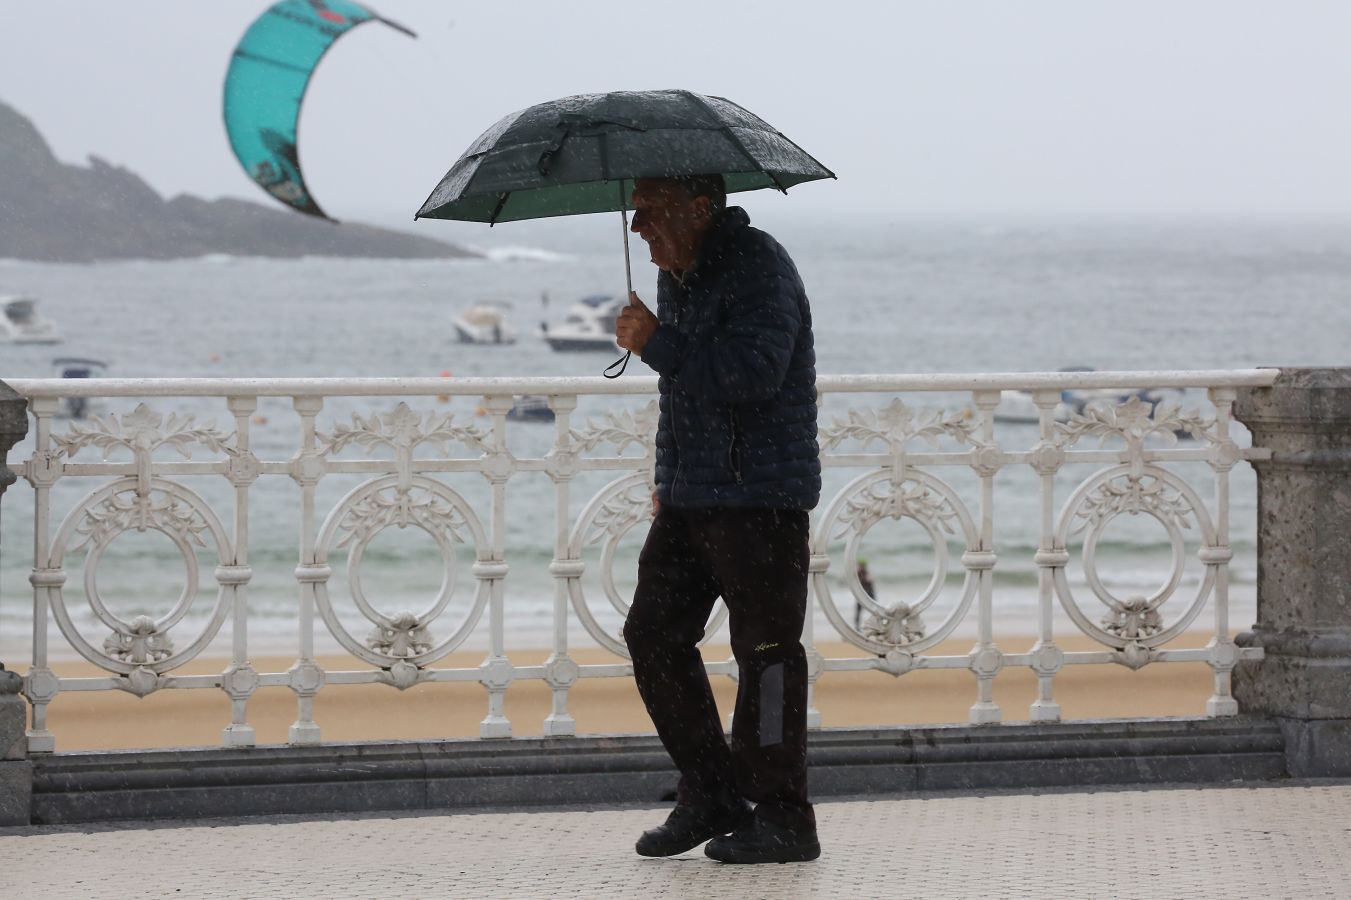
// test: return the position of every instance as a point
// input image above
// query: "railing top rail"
(34, 388)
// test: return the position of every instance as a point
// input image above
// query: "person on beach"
(737, 470)
(865, 581)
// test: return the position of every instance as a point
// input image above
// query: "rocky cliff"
(56, 212)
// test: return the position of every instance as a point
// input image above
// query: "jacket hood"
(730, 221)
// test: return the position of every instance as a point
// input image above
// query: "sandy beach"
(180, 718)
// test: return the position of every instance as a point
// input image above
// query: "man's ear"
(703, 208)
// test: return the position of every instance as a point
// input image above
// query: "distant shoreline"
(55, 212)
(227, 258)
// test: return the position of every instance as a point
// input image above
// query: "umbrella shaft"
(628, 269)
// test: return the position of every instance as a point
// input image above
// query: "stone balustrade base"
(609, 770)
(1317, 748)
(16, 792)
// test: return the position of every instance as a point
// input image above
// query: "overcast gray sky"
(966, 108)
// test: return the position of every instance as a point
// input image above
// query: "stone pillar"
(16, 773)
(1303, 567)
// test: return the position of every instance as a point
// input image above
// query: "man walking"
(736, 473)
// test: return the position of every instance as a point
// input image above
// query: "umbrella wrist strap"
(622, 363)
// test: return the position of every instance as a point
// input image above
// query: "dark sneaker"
(765, 842)
(688, 826)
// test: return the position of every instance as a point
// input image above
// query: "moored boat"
(21, 324)
(483, 323)
(531, 408)
(77, 367)
(588, 325)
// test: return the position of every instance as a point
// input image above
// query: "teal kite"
(266, 83)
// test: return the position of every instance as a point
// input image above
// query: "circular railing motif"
(365, 512)
(620, 506)
(868, 499)
(1130, 490)
(93, 524)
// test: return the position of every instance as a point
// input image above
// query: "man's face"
(672, 222)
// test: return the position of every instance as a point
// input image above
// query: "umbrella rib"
(731, 136)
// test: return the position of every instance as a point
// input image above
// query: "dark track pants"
(756, 559)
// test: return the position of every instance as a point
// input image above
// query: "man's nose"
(638, 221)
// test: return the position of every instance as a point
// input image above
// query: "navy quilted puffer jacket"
(738, 377)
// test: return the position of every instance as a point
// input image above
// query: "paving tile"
(1179, 843)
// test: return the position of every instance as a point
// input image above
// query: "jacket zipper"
(733, 453)
(675, 420)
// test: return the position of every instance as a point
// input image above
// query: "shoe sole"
(801, 853)
(677, 849)
(674, 850)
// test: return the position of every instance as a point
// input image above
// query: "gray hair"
(711, 186)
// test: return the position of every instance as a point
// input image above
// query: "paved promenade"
(1270, 842)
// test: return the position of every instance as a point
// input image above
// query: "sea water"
(888, 296)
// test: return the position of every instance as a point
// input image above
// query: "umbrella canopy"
(581, 154)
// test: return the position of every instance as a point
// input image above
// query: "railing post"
(16, 772)
(1303, 566)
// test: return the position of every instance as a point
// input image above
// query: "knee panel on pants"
(775, 674)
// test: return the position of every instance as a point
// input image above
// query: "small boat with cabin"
(77, 367)
(483, 323)
(21, 324)
(1019, 406)
(531, 408)
(588, 325)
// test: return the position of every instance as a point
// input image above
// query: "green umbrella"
(582, 154)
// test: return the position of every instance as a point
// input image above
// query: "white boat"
(20, 324)
(485, 323)
(1019, 407)
(77, 367)
(531, 408)
(588, 325)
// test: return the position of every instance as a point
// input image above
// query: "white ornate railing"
(417, 469)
